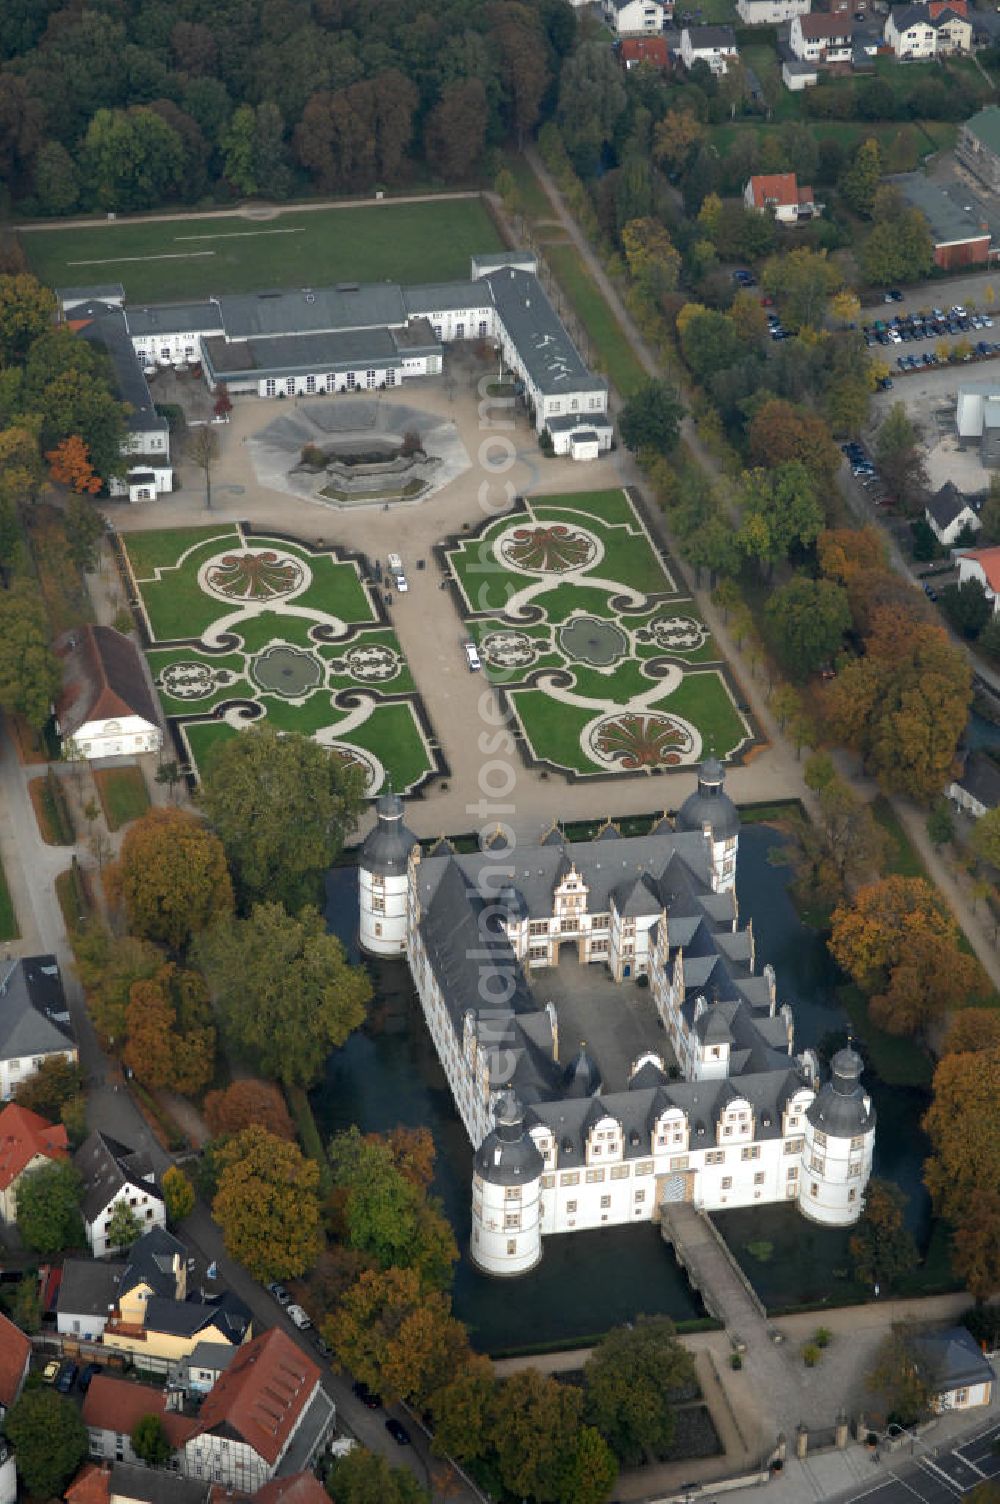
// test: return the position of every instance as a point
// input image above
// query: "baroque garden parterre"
(239, 627)
(605, 663)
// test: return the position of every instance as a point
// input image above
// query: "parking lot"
(929, 399)
(938, 1477)
(919, 340)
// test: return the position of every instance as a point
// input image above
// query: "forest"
(122, 105)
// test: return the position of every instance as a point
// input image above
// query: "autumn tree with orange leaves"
(247, 1102)
(69, 465)
(171, 877)
(899, 942)
(171, 1037)
(963, 1171)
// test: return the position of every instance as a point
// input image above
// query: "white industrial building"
(693, 1090)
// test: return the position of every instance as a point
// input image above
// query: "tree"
(676, 137)
(178, 1194)
(69, 465)
(363, 1477)
(963, 1170)
(84, 528)
(267, 1204)
(967, 607)
(651, 418)
(48, 1208)
(150, 1442)
(882, 1248)
(26, 1307)
(454, 132)
(223, 404)
(50, 1086)
(900, 247)
(132, 158)
(246, 1102)
(27, 309)
(49, 1438)
(78, 401)
(633, 1379)
(843, 552)
(972, 1029)
(803, 280)
(123, 1228)
(780, 512)
(806, 621)
(781, 431)
(282, 807)
(985, 838)
(203, 451)
(904, 704)
(398, 1337)
(859, 182)
(30, 673)
(284, 990)
(940, 824)
(460, 1409)
(535, 1425)
(900, 460)
(710, 341)
(653, 261)
(57, 181)
(900, 1381)
(899, 942)
(592, 100)
(171, 877)
(844, 845)
(386, 1212)
(171, 1038)
(107, 967)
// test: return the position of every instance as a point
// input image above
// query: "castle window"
(640, 1196)
(378, 904)
(857, 1143)
(814, 1189)
(605, 1203)
(595, 1149)
(571, 1177)
(511, 1245)
(852, 1194)
(752, 1151)
(715, 1052)
(512, 1222)
(821, 1140)
(571, 1206)
(538, 927)
(512, 1193)
(759, 1178)
(595, 1177)
(548, 1181)
(727, 1130)
(854, 1167)
(716, 1157)
(644, 1167)
(792, 1173)
(619, 1172)
(679, 1162)
(378, 929)
(793, 1146)
(378, 880)
(817, 1164)
(727, 1182)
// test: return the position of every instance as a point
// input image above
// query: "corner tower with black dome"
(383, 880)
(710, 810)
(837, 1145)
(506, 1194)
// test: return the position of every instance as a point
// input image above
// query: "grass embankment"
(48, 800)
(123, 795)
(614, 353)
(75, 898)
(162, 260)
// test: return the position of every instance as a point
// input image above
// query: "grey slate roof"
(703, 37)
(211, 1355)
(150, 1485)
(443, 297)
(981, 779)
(349, 305)
(947, 504)
(105, 326)
(89, 1287)
(710, 804)
(34, 1019)
(107, 1166)
(550, 357)
(841, 1108)
(173, 318)
(301, 354)
(952, 1359)
(151, 1262)
(102, 292)
(508, 1155)
(387, 848)
(183, 1318)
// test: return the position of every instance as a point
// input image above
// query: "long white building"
(312, 342)
(689, 1088)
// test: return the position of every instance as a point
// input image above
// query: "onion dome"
(508, 1155)
(710, 804)
(387, 847)
(841, 1109)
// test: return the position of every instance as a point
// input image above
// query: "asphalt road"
(936, 1477)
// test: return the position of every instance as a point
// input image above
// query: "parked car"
(298, 1317)
(50, 1372)
(472, 656)
(88, 1372)
(930, 592)
(398, 1432)
(67, 1377)
(279, 1292)
(364, 1394)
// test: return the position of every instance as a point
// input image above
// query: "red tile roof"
(297, 1488)
(24, 1134)
(102, 677)
(92, 1485)
(262, 1393)
(776, 188)
(15, 1350)
(988, 560)
(116, 1405)
(959, 7)
(646, 50)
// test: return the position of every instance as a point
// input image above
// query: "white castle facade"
(695, 1091)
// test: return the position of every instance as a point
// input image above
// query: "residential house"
(982, 564)
(636, 17)
(978, 147)
(821, 39)
(770, 12)
(106, 707)
(650, 52)
(957, 219)
(796, 75)
(954, 31)
(88, 1294)
(8, 1474)
(977, 790)
(27, 1141)
(949, 512)
(112, 1408)
(952, 1361)
(127, 1483)
(714, 45)
(917, 31)
(779, 194)
(199, 1370)
(34, 1020)
(266, 1414)
(15, 1355)
(114, 1173)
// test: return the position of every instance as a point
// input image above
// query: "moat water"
(388, 1074)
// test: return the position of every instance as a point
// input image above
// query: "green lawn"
(392, 735)
(160, 261)
(123, 794)
(204, 736)
(612, 349)
(904, 859)
(8, 920)
(611, 506)
(162, 548)
(703, 699)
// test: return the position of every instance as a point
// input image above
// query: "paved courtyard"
(617, 1022)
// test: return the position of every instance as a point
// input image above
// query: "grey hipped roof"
(183, 1318)
(302, 354)
(151, 1261)
(704, 37)
(101, 292)
(107, 1167)
(321, 310)
(446, 297)
(34, 1019)
(952, 1359)
(981, 779)
(550, 357)
(89, 1287)
(147, 1485)
(214, 1356)
(947, 505)
(105, 325)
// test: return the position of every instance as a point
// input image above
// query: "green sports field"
(167, 260)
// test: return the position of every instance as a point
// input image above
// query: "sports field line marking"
(167, 256)
(242, 234)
